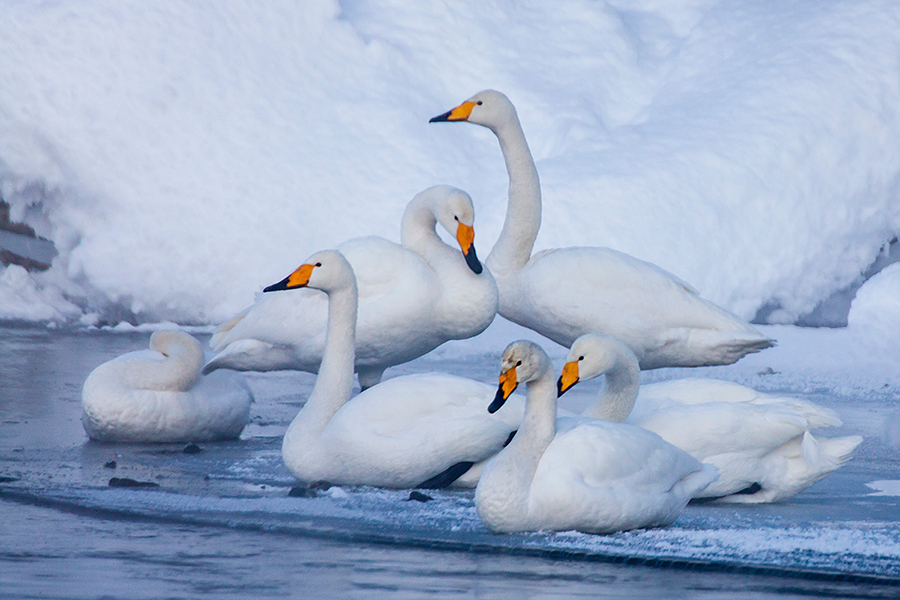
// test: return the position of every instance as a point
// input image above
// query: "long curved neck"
(334, 383)
(417, 229)
(538, 426)
(523, 210)
(619, 392)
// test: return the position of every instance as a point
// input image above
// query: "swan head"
(454, 210)
(488, 108)
(522, 361)
(326, 270)
(168, 340)
(590, 356)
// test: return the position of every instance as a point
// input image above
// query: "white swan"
(577, 473)
(566, 292)
(761, 444)
(158, 395)
(413, 298)
(400, 433)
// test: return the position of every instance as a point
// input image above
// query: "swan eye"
(455, 218)
(479, 103)
(519, 364)
(318, 264)
(580, 358)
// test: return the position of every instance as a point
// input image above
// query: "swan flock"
(633, 459)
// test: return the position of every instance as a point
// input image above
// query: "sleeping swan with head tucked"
(159, 395)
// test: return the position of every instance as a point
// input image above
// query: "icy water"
(220, 522)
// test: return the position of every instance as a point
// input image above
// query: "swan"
(575, 473)
(566, 292)
(158, 395)
(760, 443)
(420, 430)
(413, 298)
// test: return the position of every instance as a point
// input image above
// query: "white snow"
(182, 155)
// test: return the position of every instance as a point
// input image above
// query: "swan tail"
(797, 465)
(693, 484)
(251, 355)
(217, 342)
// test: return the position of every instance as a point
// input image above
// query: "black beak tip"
(473, 262)
(559, 390)
(440, 118)
(499, 401)
(277, 287)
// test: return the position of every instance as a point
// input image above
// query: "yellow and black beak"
(508, 384)
(568, 378)
(460, 113)
(465, 235)
(297, 279)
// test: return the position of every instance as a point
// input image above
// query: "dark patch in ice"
(419, 497)
(310, 490)
(110, 465)
(192, 449)
(8, 479)
(125, 482)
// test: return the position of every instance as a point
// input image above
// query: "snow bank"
(182, 155)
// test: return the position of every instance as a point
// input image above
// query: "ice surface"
(847, 525)
(183, 155)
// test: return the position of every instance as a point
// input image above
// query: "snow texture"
(182, 155)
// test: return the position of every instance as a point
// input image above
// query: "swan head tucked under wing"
(453, 209)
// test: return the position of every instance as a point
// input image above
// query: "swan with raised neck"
(576, 473)
(566, 292)
(418, 430)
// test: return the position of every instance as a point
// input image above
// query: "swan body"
(399, 433)
(412, 298)
(578, 473)
(761, 444)
(566, 292)
(159, 395)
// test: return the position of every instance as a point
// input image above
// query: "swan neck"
(417, 229)
(539, 423)
(523, 210)
(334, 383)
(619, 393)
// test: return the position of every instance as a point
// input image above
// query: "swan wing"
(567, 292)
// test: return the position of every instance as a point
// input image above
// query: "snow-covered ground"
(181, 155)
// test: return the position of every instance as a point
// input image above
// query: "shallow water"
(221, 523)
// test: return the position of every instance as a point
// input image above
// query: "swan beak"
(508, 384)
(465, 235)
(297, 279)
(460, 113)
(568, 378)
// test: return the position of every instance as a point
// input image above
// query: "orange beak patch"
(460, 113)
(568, 378)
(299, 278)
